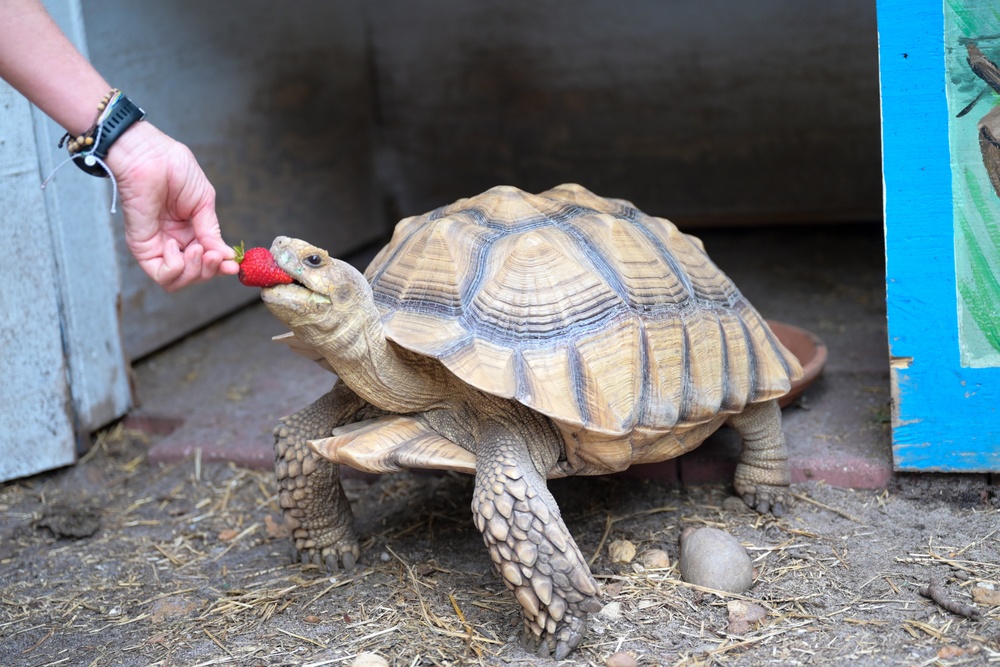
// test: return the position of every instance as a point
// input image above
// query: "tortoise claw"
(563, 647)
(340, 556)
(532, 644)
(556, 646)
(773, 500)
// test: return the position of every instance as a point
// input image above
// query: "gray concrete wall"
(710, 111)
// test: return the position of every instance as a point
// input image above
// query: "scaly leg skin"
(531, 546)
(762, 475)
(309, 491)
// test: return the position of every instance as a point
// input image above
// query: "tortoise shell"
(613, 323)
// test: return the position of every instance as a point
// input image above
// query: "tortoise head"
(325, 298)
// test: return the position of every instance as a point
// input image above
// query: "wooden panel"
(944, 408)
(701, 111)
(36, 426)
(77, 209)
(275, 101)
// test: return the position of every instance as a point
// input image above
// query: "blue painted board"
(941, 217)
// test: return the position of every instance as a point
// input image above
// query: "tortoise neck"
(379, 371)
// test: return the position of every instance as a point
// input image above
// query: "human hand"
(169, 206)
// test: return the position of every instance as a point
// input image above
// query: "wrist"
(137, 140)
(117, 114)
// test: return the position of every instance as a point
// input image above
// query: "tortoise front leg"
(530, 545)
(762, 475)
(309, 490)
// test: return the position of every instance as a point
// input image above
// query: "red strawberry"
(258, 268)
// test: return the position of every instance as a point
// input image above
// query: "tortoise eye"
(313, 261)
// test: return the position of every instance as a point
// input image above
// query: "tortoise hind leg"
(309, 490)
(762, 475)
(530, 545)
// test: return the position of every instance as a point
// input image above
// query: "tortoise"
(522, 337)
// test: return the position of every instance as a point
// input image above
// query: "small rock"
(743, 615)
(985, 596)
(655, 559)
(621, 659)
(621, 551)
(611, 610)
(172, 608)
(369, 660)
(228, 534)
(612, 588)
(950, 652)
(715, 559)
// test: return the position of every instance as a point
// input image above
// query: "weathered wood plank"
(81, 227)
(36, 425)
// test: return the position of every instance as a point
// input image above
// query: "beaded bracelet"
(116, 113)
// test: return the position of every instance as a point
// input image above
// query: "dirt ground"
(119, 562)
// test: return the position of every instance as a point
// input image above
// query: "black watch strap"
(123, 116)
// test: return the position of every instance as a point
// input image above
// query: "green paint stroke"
(985, 206)
(981, 290)
(973, 20)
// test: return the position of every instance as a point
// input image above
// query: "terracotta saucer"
(810, 351)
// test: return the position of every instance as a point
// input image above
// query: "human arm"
(171, 225)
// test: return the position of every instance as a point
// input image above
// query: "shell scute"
(706, 378)
(538, 285)
(666, 352)
(632, 263)
(611, 376)
(486, 365)
(549, 384)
